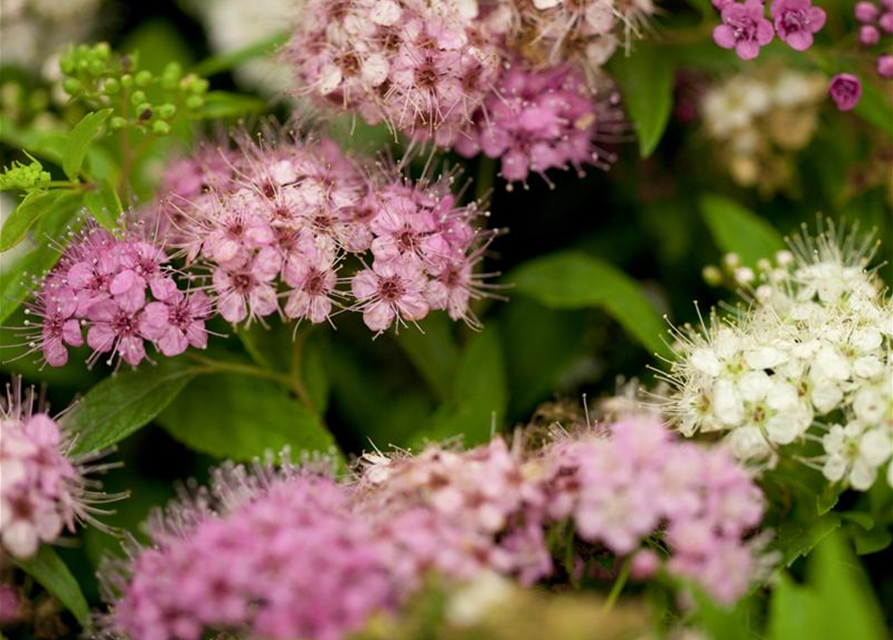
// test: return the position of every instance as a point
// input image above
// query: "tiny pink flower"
(176, 324)
(886, 22)
(869, 35)
(313, 278)
(391, 290)
(796, 21)
(845, 89)
(115, 330)
(885, 66)
(744, 28)
(866, 11)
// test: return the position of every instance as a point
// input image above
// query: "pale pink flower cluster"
(538, 120)
(459, 512)
(421, 67)
(444, 72)
(121, 291)
(620, 490)
(276, 225)
(42, 491)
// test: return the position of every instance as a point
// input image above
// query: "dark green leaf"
(723, 623)
(575, 280)
(314, 372)
(479, 395)
(232, 416)
(79, 141)
(48, 569)
(220, 104)
(875, 108)
(738, 230)
(158, 43)
(433, 352)
(14, 278)
(646, 80)
(797, 538)
(126, 401)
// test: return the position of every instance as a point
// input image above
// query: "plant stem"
(619, 583)
(297, 380)
(483, 182)
(220, 366)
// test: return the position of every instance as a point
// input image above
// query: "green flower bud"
(194, 102)
(96, 67)
(161, 128)
(72, 86)
(117, 123)
(138, 97)
(111, 86)
(143, 78)
(145, 111)
(103, 51)
(127, 81)
(167, 111)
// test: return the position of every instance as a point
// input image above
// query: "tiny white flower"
(748, 443)
(727, 403)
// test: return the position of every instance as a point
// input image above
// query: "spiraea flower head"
(116, 292)
(806, 362)
(744, 28)
(273, 552)
(542, 119)
(621, 484)
(423, 68)
(44, 491)
(280, 226)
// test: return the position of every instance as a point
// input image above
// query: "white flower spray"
(802, 369)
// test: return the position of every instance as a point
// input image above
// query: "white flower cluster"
(807, 363)
(760, 116)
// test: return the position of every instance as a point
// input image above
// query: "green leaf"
(104, 204)
(479, 395)
(232, 416)
(126, 401)
(231, 59)
(48, 569)
(16, 226)
(722, 623)
(220, 104)
(314, 372)
(738, 230)
(575, 280)
(433, 352)
(797, 538)
(836, 602)
(79, 141)
(646, 81)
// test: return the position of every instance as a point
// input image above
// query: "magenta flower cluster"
(443, 72)
(121, 291)
(537, 120)
(278, 559)
(291, 553)
(42, 492)
(876, 25)
(276, 224)
(745, 28)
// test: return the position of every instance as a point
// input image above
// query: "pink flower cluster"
(444, 71)
(876, 23)
(276, 558)
(620, 490)
(421, 67)
(745, 28)
(289, 552)
(121, 291)
(456, 512)
(276, 224)
(42, 492)
(538, 120)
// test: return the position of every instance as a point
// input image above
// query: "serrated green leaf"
(738, 230)
(479, 395)
(230, 416)
(125, 402)
(16, 226)
(796, 538)
(433, 351)
(575, 280)
(646, 81)
(79, 140)
(48, 569)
